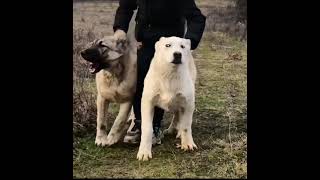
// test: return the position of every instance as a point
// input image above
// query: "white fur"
(171, 87)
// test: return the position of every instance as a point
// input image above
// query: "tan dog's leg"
(184, 131)
(147, 113)
(119, 125)
(102, 108)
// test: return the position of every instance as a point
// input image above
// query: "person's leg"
(145, 55)
(141, 73)
(144, 58)
(157, 118)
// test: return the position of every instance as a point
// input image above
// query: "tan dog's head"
(103, 53)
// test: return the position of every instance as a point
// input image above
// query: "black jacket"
(157, 18)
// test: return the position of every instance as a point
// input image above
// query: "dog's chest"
(109, 88)
(172, 101)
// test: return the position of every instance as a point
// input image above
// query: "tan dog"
(113, 59)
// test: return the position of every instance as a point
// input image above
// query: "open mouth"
(176, 61)
(95, 67)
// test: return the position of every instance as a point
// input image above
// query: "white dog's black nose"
(177, 55)
(177, 58)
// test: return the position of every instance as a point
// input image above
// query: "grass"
(219, 125)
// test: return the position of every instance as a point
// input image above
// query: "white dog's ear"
(156, 46)
(188, 43)
(162, 38)
(159, 42)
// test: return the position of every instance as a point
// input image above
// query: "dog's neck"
(115, 69)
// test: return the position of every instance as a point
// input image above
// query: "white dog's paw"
(187, 146)
(144, 154)
(101, 140)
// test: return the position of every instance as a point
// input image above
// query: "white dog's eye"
(182, 46)
(168, 45)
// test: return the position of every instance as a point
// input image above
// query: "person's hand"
(120, 35)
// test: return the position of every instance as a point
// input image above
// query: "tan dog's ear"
(88, 45)
(122, 45)
(118, 49)
(112, 55)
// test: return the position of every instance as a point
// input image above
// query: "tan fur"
(117, 84)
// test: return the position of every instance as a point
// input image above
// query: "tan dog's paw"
(144, 155)
(112, 139)
(101, 140)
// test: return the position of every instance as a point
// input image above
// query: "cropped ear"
(89, 44)
(156, 46)
(162, 38)
(159, 42)
(122, 45)
(112, 55)
(188, 43)
(118, 48)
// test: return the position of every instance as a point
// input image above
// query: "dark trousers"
(145, 55)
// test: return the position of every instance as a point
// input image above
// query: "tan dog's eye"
(168, 45)
(102, 45)
(182, 46)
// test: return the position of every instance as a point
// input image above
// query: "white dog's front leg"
(119, 124)
(185, 131)
(102, 108)
(147, 112)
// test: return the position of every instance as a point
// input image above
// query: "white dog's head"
(173, 50)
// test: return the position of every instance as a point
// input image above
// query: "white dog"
(169, 84)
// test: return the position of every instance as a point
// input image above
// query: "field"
(220, 118)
